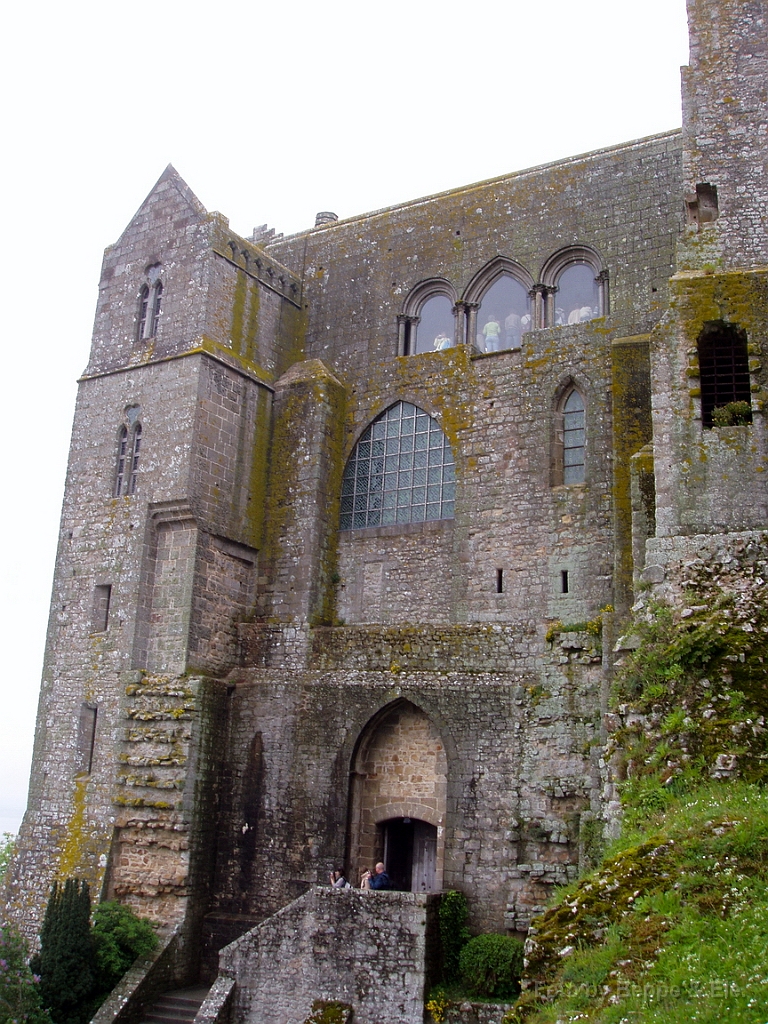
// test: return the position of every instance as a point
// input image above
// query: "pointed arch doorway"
(397, 799)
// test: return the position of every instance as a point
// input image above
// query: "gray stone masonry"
(366, 949)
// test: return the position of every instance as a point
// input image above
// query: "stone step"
(176, 1007)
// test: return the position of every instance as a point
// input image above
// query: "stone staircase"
(176, 1007)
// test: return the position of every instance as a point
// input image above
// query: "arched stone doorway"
(397, 798)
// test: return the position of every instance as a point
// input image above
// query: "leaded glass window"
(401, 471)
(573, 439)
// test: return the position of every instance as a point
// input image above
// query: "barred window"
(724, 370)
(401, 471)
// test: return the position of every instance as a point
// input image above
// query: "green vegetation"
(672, 925)
(671, 929)
(454, 933)
(329, 1012)
(491, 966)
(78, 964)
(7, 849)
(66, 962)
(119, 938)
(19, 989)
(733, 414)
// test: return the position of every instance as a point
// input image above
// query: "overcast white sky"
(271, 112)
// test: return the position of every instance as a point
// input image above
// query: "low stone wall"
(373, 951)
(143, 983)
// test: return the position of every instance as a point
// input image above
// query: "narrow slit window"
(86, 736)
(102, 595)
(564, 582)
(134, 458)
(122, 451)
(499, 581)
(141, 330)
(573, 439)
(156, 304)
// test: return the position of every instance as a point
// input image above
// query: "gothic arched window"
(427, 323)
(570, 437)
(400, 471)
(504, 315)
(150, 301)
(128, 445)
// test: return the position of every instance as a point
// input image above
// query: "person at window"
(512, 331)
(379, 879)
(492, 334)
(442, 341)
(338, 881)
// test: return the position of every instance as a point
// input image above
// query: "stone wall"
(520, 769)
(372, 951)
(725, 126)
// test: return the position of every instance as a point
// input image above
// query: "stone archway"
(397, 798)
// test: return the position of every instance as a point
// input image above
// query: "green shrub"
(491, 965)
(19, 989)
(733, 414)
(78, 964)
(119, 938)
(454, 934)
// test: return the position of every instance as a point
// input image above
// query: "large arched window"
(498, 305)
(427, 323)
(578, 297)
(400, 471)
(435, 329)
(574, 287)
(724, 374)
(568, 463)
(504, 315)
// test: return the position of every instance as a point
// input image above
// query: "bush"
(491, 965)
(19, 988)
(453, 931)
(119, 939)
(79, 965)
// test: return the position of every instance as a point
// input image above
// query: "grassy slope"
(672, 926)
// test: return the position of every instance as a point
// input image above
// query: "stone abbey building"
(330, 495)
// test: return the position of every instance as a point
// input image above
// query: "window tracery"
(150, 304)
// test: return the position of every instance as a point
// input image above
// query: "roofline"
(567, 161)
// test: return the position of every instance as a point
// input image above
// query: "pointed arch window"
(504, 315)
(128, 446)
(400, 471)
(570, 439)
(150, 303)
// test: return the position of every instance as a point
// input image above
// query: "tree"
(19, 988)
(66, 962)
(7, 850)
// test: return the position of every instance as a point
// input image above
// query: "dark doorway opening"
(410, 854)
